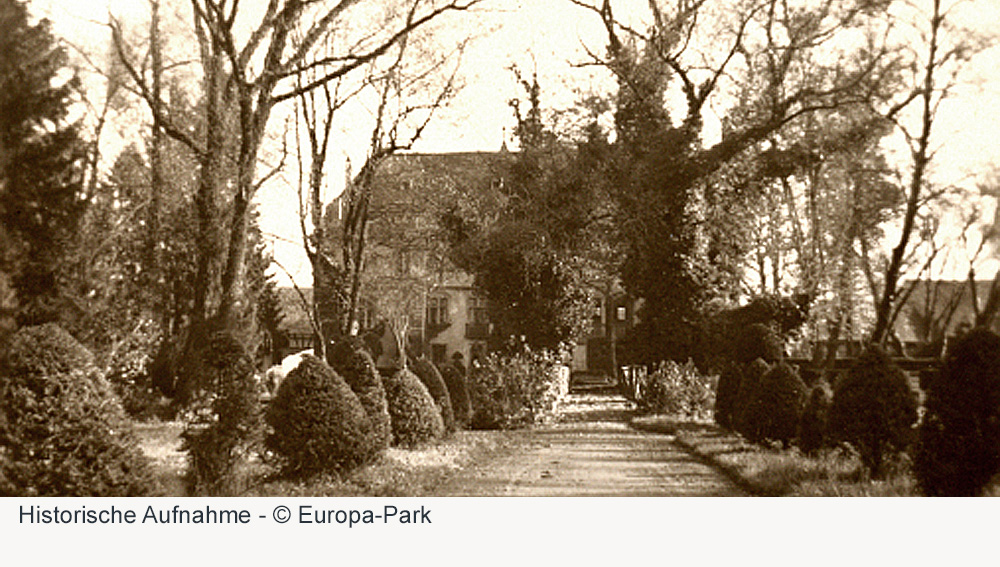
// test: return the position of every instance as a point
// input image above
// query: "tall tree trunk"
(921, 158)
(155, 147)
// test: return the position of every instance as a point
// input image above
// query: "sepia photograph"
(408, 250)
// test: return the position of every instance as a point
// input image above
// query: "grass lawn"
(764, 471)
(398, 472)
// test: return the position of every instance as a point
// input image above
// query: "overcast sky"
(549, 35)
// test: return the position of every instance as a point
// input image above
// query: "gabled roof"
(422, 179)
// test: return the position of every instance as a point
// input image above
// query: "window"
(402, 262)
(437, 311)
(477, 311)
(621, 313)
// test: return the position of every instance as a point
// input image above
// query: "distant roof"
(440, 174)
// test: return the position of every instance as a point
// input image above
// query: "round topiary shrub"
(226, 429)
(746, 400)
(351, 361)
(775, 411)
(431, 378)
(415, 418)
(318, 423)
(959, 450)
(815, 418)
(63, 431)
(727, 391)
(758, 341)
(458, 393)
(874, 409)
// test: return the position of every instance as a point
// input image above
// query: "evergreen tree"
(41, 164)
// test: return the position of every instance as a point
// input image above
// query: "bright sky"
(547, 35)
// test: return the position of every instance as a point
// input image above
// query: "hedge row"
(338, 416)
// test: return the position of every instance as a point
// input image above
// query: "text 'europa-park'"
(302, 514)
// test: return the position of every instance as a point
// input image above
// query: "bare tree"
(244, 77)
(936, 73)
(406, 90)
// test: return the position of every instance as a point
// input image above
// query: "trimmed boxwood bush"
(431, 378)
(815, 418)
(758, 341)
(351, 361)
(743, 409)
(727, 391)
(415, 418)
(959, 449)
(63, 431)
(874, 409)
(318, 423)
(458, 393)
(774, 413)
(227, 428)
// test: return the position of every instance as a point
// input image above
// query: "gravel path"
(591, 451)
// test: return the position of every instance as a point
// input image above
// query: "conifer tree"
(41, 164)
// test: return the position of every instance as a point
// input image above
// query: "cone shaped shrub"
(746, 400)
(415, 418)
(458, 393)
(431, 378)
(63, 431)
(874, 409)
(774, 414)
(352, 362)
(727, 391)
(318, 423)
(227, 428)
(815, 418)
(959, 449)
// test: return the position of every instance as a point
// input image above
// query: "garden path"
(591, 451)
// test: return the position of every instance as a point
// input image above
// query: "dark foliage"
(458, 393)
(874, 409)
(757, 341)
(227, 428)
(727, 391)
(959, 449)
(415, 418)
(41, 168)
(774, 413)
(349, 358)
(318, 424)
(815, 418)
(62, 430)
(753, 375)
(432, 379)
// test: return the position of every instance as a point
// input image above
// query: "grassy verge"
(398, 472)
(763, 471)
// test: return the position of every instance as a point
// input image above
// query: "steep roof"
(423, 180)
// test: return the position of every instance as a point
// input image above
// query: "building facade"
(412, 288)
